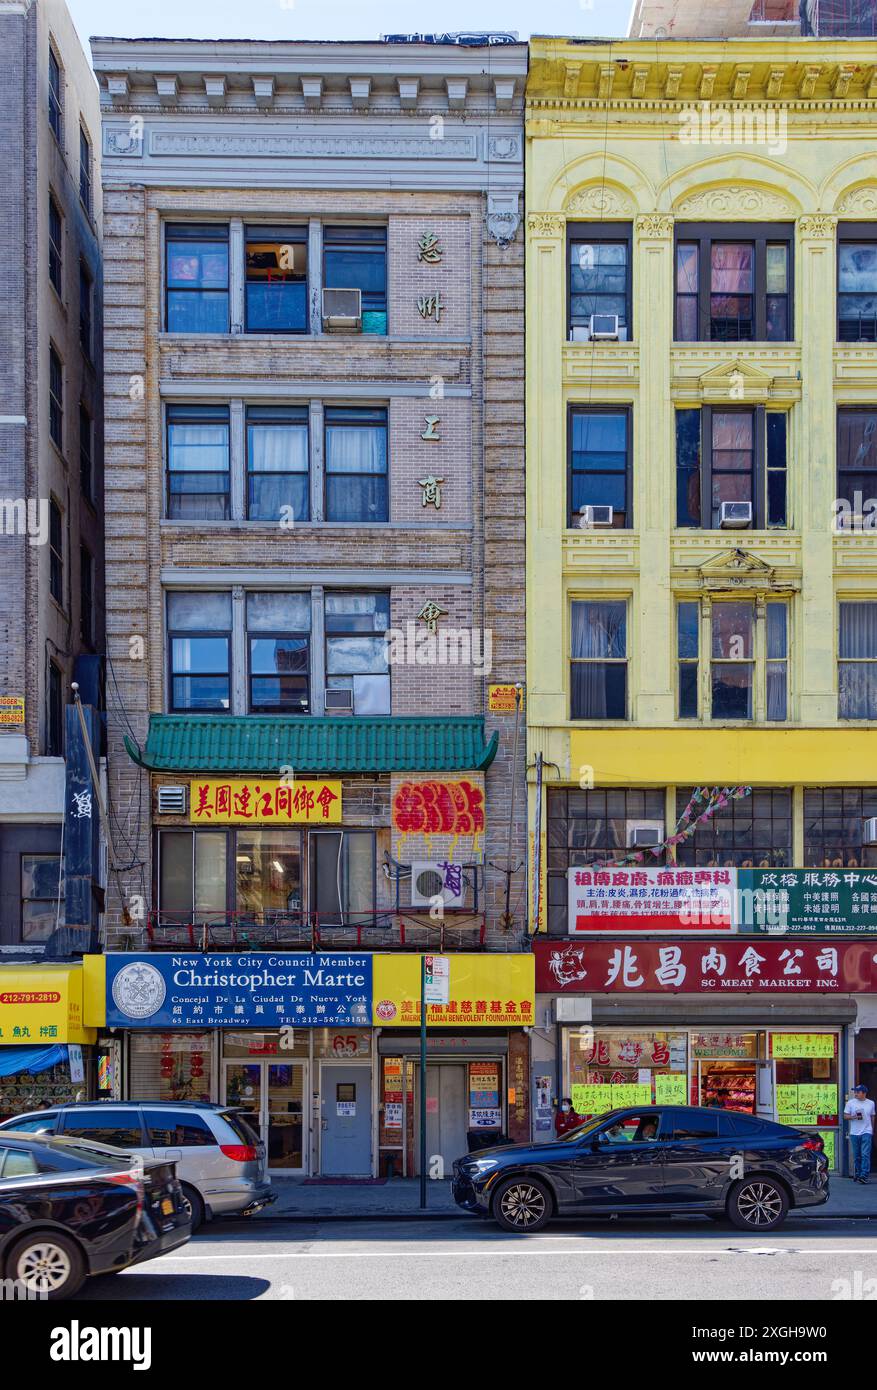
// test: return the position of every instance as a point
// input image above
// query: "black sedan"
(69, 1209)
(652, 1160)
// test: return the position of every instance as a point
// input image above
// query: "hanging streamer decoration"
(704, 803)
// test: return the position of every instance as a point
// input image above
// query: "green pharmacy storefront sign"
(807, 902)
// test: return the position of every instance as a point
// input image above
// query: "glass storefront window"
(282, 1042)
(616, 1067)
(170, 1066)
(268, 872)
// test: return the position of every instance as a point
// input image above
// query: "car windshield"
(580, 1130)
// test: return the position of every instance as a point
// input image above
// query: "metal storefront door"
(346, 1125)
(446, 1114)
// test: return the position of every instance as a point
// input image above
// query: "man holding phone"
(859, 1110)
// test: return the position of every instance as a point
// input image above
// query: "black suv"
(652, 1159)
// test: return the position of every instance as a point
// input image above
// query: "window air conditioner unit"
(643, 834)
(342, 311)
(869, 831)
(735, 514)
(596, 516)
(171, 801)
(604, 326)
(339, 701)
(428, 883)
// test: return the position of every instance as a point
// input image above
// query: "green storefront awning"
(265, 744)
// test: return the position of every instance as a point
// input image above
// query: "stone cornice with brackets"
(639, 74)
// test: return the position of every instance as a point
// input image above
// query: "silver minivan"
(220, 1162)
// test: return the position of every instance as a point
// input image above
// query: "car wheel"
(47, 1264)
(522, 1204)
(194, 1206)
(758, 1204)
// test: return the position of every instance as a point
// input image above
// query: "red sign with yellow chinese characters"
(264, 801)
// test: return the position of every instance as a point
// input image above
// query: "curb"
(286, 1217)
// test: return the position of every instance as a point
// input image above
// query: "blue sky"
(342, 19)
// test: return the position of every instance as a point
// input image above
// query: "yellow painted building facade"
(739, 654)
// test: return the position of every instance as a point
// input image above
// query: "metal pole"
(422, 1096)
(507, 920)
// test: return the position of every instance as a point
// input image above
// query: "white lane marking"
(492, 1253)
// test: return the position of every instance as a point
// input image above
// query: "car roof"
(127, 1104)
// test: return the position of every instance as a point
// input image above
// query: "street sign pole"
(423, 1082)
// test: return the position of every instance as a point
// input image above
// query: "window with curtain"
(856, 283)
(277, 280)
(278, 637)
(355, 258)
(198, 462)
(356, 464)
(600, 273)
(733, 660)
(737, 672)
(856, 468)
(278, 474)
(196, 278)
(731, 455)
(599, 461)
(268, 873)
(192, 875)
(857, 661)
(199, 641)
(598, 660)
(342, 877)
(733, 282)
(356, 649)
(834, 820)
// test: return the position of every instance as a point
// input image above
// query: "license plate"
(167, 1206)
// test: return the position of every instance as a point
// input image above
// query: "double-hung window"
(277, 280)
(728, 460)
(356, 649)
(748, 670)
(734, 282)
(856, 282)
(856, 502)
(56, 246)
(56, 98)
(356, 463)
(857, 661)
(599, 276)
(85, 170)
(199, 642)
(56, 552)
(355, 258)
(278, 638)
(278, 478)
(196, 278)
(198, 462)
(56, 399)
(599, 463)
(598, 659)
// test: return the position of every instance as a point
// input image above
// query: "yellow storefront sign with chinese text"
(264, 801)
(486, 991)
(42, 1004)
(800, 1045)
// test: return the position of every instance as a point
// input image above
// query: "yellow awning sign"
(485, 991)
(42, 1004)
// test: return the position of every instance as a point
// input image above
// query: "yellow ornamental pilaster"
(814, 488)
(654, 474)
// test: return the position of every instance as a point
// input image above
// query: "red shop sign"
(732, 965)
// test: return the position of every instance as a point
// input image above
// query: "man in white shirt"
(859, 1110)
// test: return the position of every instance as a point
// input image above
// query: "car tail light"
(129, 1180)
(239, 1153)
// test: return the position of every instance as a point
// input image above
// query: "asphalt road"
(466, 1259)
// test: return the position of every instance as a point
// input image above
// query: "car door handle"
(173, 1153)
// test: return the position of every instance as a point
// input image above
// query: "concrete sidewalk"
(399, 1199)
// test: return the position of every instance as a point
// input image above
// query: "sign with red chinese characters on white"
(652, 899)
(726, 966)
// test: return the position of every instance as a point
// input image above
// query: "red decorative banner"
(732, 966)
